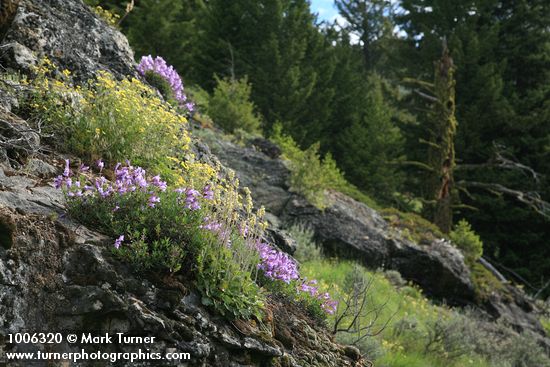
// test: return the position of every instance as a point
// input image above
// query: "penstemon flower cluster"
(310, 287)
(168, 73)
(277, 265)
(129, 180)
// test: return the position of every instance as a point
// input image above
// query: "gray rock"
(40, 168)
(70, 34)
(513, 307)
(267, 147)
(281, 239)
(267, 178)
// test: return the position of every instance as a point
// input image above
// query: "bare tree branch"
(500, 161)
(531, 199)
(426, 96)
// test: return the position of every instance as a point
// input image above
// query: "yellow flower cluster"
(111, 119)
(110, 17)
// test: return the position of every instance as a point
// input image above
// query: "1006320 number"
(35, 338)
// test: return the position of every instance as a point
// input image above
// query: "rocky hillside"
(59, 276)
(351, 229)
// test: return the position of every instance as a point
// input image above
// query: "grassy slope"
(405, 304)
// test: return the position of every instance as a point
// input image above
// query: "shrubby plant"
(307, 249)
(107, 118)
(467, 240)
(230, 106)
(158, 228)
(312, 175)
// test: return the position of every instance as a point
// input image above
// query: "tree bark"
(441, 151)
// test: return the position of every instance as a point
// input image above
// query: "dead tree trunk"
(441, 151)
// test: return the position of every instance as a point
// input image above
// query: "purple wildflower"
(156, 181)
(243, 230)
(191, 199)
(58, 182)
(207, 192)
(168, 73)
(153, 199)
(100, 165)
(67, 170)
(309, 287)
(276, 264)
(83, 168)
(119, 241)
(211, 225)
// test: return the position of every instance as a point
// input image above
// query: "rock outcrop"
(352, 230)
(57, 276)
(70, 35)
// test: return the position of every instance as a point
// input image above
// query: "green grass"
(545, 321)
(404, 306)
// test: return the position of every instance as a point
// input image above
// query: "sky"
(325, 9)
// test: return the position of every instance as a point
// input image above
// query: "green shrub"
(450, 337)
(311, 175)
(226, 278)
(467, 240)
(306, 249)
(230, 106)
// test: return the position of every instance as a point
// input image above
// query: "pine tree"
(277, 45)
(501, 51)
(370, 21)
(372, 145)
(441, 144)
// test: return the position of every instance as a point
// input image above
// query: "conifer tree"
(371, 146)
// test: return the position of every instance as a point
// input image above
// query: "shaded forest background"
(367, 92)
